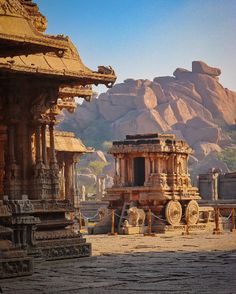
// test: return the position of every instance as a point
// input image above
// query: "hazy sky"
(148, 38)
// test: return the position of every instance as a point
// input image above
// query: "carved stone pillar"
(11, 144)
(147, 169)
(62, 180)
(128, 171)
(41, 188)
(38, 144)
(53, 164)
(117, 179)
(152, 165)
(53, 159)
(12, 173)
(44, 145)
(122, 171)
(2, 166)
(68, 179)
(157, 163)
(73, 187)
(25, 154)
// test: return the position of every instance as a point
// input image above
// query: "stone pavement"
(137, 264)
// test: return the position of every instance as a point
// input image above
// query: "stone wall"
(215, 185)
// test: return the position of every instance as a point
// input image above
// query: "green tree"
(228, 156)
(106, 145)
(97, 166)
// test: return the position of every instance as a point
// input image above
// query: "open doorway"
(139, 171)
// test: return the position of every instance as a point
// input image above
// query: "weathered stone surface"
(111, 112)
(199, 123)
(167, 113)
(164, 80)
(193, 102)
(123, 100)
(177, 133)
(210, 161)
(202, 149)
(179, 71)
(128, 264)
(183, 112)
(182, 89)
(158, 91)
(202, 68)
(193, 160)
(209, 134)
(84, 116)
(142, 121)
(145, 99)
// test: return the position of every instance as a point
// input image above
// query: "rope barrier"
(89, 217)
(225, 218)
(118, 215)
(159, 218)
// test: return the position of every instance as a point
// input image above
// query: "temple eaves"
(26, 50)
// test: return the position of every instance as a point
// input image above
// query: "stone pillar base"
(16, 267)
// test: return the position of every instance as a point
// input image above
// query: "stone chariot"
(152, 172)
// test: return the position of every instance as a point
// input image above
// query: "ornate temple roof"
(67, 142)
(19, 28)
(155, 143)
(25, 49)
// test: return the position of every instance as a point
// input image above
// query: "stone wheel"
(192, 211)
(173, 212)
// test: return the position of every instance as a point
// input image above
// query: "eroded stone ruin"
(152, 173)
(39, 75)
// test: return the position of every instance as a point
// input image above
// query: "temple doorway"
(139, 171)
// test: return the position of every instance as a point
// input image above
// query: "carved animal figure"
(105, 70)
(136, 216)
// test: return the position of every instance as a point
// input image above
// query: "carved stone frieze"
(67, 251)
(12, 7)
(16, 267)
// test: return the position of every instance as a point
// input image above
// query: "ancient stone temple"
(39, 76)
(215, 185)
(152, 173)
(68, 150)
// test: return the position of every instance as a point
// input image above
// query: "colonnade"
(68, 188)
(26, 168)
(169, 164)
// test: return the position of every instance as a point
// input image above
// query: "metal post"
(80, 220)
(149, 231)
(217, 228)
(187, 225)
(149, 221)
(112, 223)
(233, 220)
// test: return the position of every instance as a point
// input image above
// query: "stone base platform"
(133, 230)
(61, 248)
(180, 229)
(65, 251)
(16, 267)
(55, 237)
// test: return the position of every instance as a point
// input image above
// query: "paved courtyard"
(137, 264)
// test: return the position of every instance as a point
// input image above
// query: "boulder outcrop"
(192, 104)
(203, 68)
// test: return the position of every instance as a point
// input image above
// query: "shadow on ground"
(152, 272)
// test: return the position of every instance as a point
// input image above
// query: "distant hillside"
(191, 104)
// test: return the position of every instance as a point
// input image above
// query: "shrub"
(97, 166)
(229, 157)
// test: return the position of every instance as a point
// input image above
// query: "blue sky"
(148, 38)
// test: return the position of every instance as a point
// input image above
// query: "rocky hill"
(192, 104)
